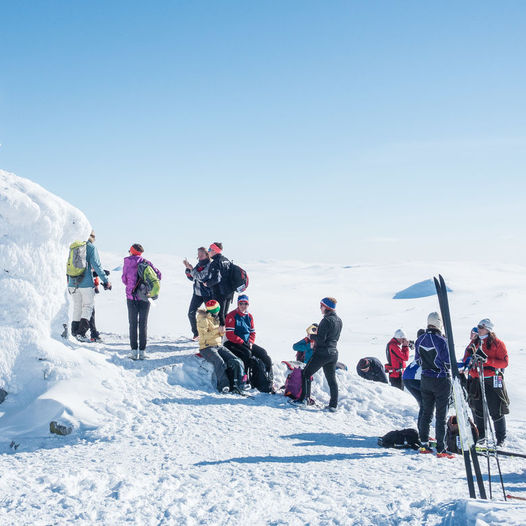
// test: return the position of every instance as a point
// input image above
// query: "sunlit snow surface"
(153, 443)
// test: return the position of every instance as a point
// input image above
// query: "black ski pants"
(413, 386)
(435, 396)
(317, 361)
(195, 303)
(92, 327)
(498, 402)
(224, 303)
(138, 315)
(244, 352)
(396, 382)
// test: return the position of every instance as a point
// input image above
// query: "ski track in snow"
(260, 460)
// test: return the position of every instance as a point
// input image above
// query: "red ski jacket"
(396, 358)
(497, 357)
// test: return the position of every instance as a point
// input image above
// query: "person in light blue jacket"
(82, 290)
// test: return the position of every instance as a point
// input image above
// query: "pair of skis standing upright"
(468, 447)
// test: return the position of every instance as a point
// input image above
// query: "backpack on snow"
(77, 259)
(452, 439)
(403, 439)
(145, 282)
(257, 375)
(294, 383)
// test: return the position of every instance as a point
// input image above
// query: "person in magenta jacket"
(138, 306)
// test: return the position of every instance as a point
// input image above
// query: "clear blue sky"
(327, 131)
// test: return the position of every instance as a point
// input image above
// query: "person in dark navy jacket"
(432, 354)
(372, 369)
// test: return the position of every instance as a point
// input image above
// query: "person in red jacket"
(397, 353)
(492, 352)
(241, 337)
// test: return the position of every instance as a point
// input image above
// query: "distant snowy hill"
(152, 441)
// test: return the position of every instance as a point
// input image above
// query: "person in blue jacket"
(304, 347)
(82, 290)
(432, 354)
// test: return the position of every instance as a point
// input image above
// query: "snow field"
(153, 443)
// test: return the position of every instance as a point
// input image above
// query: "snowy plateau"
(154, 443)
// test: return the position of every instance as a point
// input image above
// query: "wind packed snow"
(154, 443)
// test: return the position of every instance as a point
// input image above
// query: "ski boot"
(425, 449)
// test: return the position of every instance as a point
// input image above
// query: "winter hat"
(330, 303)
(487, 324)
(216, 248)
(136, 249)
(243, 297)
(363, 364)
(400, 334)
(475, 329)
(212, 306)
(435, 320)
(312, 329)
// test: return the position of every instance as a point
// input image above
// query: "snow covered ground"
(153, 443)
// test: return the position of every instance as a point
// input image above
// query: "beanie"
(487, 324)
(242, 297)
(400, 334)
(212, 306)
(363, 363)
(435, 320)
(330, 303)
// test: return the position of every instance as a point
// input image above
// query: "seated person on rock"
(229, 370)
(241, 335)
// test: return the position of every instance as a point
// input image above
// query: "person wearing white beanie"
(492, 352)
(397, 354)
(432, 354)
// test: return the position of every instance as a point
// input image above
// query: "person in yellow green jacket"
(229, 370)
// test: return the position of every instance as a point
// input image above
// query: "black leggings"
(138, 311)
(328, 362)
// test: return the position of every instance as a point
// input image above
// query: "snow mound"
(422, 289)
(36, 228)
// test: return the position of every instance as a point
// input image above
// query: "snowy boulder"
(422, 289)
(36, 228)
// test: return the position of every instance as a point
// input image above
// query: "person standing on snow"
(202, 294)
(82, 290)
(485, 347)
(397, 352)
(432, 354)
(217, 281)
(325, 353)
(137, 298)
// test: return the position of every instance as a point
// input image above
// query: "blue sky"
(324, 131)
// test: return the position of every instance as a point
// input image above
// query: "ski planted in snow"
(461, 406)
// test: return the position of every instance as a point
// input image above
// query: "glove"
(107, 285)
(480, 356)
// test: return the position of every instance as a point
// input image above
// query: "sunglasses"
(480, 327)
(243, 303)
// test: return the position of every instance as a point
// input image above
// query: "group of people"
(226, 338)
(428, 377)
(227, 341)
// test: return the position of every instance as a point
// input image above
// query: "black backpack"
(257, 375)
(403, 439)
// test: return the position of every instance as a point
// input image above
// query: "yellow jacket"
(208, 329)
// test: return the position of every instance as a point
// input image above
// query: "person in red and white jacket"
(491, 352)
(241, 337)
(397, 353)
